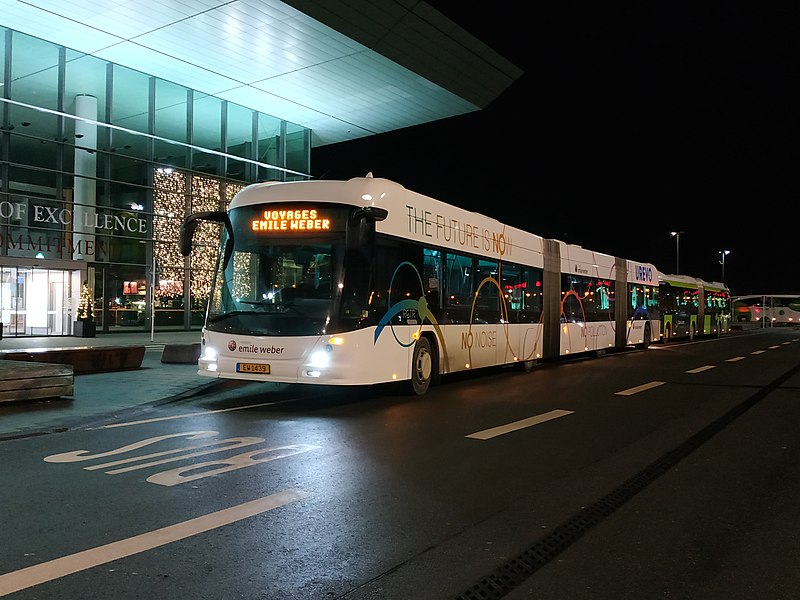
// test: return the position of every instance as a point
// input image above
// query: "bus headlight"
(321, 359)
(208, 360)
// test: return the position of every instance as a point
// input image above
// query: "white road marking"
(67, 565)
(529, 422)
(239, 442)
(773, 347)
(758, 352)
(735, 359)
(701, 369)
(640, 388)
(240, 461)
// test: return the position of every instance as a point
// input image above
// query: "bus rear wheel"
(422, 369)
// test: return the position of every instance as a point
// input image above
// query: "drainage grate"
(503, 579)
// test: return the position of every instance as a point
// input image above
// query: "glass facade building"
(99, 164)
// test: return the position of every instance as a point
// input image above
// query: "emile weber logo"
(253, 349)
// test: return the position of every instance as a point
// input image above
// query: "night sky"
(629, 123)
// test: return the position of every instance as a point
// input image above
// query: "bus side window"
(457, 289)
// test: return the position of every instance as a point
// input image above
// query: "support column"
(85, 197)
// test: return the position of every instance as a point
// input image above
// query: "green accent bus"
(691, 307)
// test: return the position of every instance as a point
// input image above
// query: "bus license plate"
(252, 368)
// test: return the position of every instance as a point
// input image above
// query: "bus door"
(487, 335)
(576, 334)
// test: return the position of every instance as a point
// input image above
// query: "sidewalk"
(100, 393)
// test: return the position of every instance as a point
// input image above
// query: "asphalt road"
(666, 473)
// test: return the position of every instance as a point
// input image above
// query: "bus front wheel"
(421, 366)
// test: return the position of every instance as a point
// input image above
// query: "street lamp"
(677, 236)
(723, 254)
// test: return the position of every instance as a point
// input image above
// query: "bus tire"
(422, 366)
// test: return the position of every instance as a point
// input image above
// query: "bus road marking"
(80, 561)
(701, 369)
(758, 352)
(735, 359)
(640, 388)
(190, 472)
(487, 434)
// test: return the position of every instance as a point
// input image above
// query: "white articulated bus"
(362, 282)
(774, 309)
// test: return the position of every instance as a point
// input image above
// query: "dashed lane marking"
(640, 388)
(487, 434)
(701, 369)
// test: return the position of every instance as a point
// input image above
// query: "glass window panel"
(126, 293)
(240, 131)
(207, 134)
(34, 71)
(297, 150)
(34, 80)
(85, 74)
(22, 177)
(130, 101)
(128, 150)
(128, 169)
(171, 105)
(269, 136)
(3, 33)
(239, 169)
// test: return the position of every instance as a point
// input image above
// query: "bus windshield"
(276, 283)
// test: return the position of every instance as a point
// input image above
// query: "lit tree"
(85, 310)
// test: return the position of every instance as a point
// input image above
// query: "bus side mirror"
(373, 213)
(190, 224)
(361, 227)
(186, 236)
